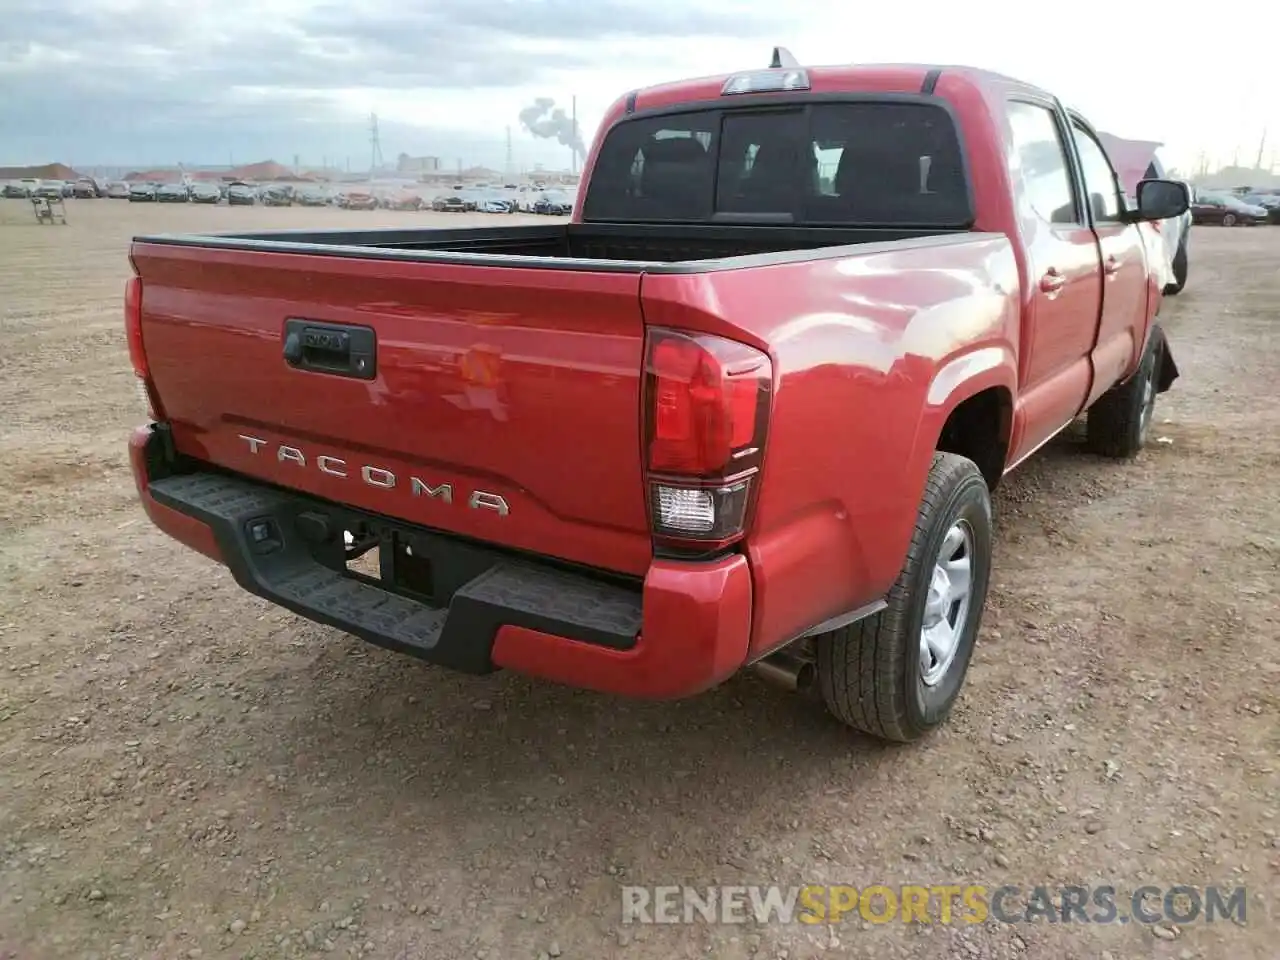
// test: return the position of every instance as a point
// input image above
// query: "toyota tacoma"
(744, 409)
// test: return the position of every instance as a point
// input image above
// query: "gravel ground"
(188, 771)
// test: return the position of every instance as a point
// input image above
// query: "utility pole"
(506, 173)
(1261, 146)
(573, 111)
(375, 145)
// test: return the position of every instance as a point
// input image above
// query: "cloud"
(155, 80)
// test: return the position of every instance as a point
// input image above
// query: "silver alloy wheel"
(947, 606)
(1148, 404)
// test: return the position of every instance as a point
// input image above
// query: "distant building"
(48, 171)
(415, 166)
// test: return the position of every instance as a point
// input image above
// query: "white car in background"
(1138, 160)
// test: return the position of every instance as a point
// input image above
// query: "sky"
(98, 82)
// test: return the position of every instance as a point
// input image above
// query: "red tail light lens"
(133, 326)
(137, 354)
(707, 405)
(707, 396)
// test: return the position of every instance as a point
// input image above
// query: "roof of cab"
(835, 78)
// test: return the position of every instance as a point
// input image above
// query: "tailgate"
(504, 403)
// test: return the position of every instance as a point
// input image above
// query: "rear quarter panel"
(872, 347)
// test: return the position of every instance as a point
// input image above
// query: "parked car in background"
(173, 193)
(495, 205)
(203, 192)
(1269, 202)
(51, 189)
(359, 200)
(1225, 209)
(16, 190)
(241, 195)
(86, 188)
(142, 192)
(449, 204)
(403, 200)
(118, 190)
(276, 195)
(554, 203)
(312, 197)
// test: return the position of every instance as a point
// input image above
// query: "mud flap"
(1167, 372)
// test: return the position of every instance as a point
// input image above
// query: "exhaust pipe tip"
(787, 671)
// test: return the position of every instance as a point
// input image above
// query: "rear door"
(499, 403)
(1122, 329)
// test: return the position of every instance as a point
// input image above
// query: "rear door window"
(1039, 158)
(874, 163)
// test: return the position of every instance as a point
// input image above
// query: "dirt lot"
(186, 771)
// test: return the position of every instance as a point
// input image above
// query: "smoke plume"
(544, 119)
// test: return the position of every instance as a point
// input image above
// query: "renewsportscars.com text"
(934, 903)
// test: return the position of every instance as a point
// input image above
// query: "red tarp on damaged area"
(1131, 158)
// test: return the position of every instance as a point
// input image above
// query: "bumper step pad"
(269, 556)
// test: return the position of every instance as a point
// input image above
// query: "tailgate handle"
(339, 349)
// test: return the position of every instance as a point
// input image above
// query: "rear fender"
(992, 365)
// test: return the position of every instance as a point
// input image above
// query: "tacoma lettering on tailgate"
(379, 477)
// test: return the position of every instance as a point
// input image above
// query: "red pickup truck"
(745, 409)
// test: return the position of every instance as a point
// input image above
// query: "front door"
(1123, 326)
(1064, 294)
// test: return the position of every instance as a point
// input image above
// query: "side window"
(1040, 159)
(1099, 177)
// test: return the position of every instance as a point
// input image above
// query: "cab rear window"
(874, 163)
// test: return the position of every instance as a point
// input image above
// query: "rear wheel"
(1229, 220)
(896, 675)
(1120, 420)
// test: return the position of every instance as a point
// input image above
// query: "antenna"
(782, 57)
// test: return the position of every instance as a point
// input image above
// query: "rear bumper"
(459, 604)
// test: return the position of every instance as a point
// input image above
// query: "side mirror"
(1161, 200)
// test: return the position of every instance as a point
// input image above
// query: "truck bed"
(619, 248)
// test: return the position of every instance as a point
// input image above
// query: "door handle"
(1111, 266)
(1052, 281)
(344, 350)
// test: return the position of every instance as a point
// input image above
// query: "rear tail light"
(137, 354)
(707, 403)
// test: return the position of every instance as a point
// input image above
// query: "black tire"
(1229, 220)
(1179, 269)
(1119, 421)
(870, 672)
